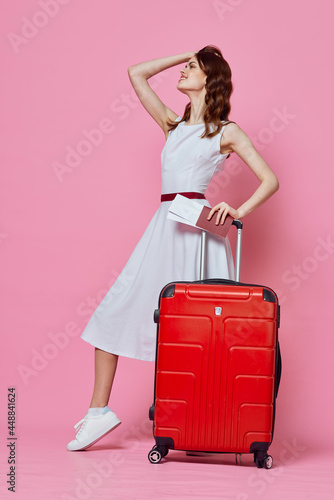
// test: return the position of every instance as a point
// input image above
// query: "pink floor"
(117, 467)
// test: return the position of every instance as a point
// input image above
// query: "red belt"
(171, 196)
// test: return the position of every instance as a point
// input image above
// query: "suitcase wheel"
(157, 453)
(266, 462)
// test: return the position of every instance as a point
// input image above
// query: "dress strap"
(191, 195)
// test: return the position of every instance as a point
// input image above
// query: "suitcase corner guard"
(169, 291)
(165, 441)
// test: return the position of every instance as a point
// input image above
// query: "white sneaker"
(92, 428)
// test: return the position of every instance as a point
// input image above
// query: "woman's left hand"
(223, 210)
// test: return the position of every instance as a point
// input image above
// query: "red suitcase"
(218, 367)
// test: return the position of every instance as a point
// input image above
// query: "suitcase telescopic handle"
(239, 226)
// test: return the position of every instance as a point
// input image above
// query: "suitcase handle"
(239, 226)
(278, 371)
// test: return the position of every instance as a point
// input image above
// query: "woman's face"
(192, 77)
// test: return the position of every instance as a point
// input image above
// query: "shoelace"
(80, 423)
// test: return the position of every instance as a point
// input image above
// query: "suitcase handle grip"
(237, 223)
(239, 226)
(217, 281)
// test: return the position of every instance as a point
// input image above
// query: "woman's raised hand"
(223, 210)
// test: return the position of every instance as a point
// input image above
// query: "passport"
(210, 225)
(194, 214)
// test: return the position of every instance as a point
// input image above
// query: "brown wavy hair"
(218, 91)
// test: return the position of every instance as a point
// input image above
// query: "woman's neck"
(197, 108)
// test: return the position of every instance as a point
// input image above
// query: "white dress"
(168, 251)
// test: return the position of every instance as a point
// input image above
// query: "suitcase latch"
(218, 311)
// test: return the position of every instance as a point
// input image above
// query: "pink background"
(65, 238)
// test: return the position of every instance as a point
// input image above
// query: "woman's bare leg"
(105, 368)
(94, 427)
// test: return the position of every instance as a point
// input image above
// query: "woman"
(197, 145)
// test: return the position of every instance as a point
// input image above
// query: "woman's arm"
(141, 72)
(235, 139)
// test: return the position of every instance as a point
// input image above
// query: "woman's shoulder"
(232, 135)
(231, 129)
(229, 124)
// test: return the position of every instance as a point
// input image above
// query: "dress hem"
(132, 356)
